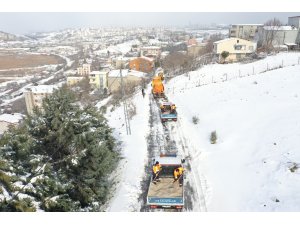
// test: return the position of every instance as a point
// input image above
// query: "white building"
(7, 120)
(34, 96)
(151, 51)
(245, 31)
(84, 70)
(294, 21)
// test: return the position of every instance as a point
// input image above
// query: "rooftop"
(11, 118)
(126, 72)
(42, 88)
(228, 39)
(245, 24)
(280, 28)
(151, 47)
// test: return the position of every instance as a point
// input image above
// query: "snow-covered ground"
(134, 151)
(257, 122)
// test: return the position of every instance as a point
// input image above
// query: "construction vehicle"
(166, 193)
(168, 112)
(158, 89)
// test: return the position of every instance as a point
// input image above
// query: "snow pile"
(253, 165)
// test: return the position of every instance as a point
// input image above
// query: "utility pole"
(127, 122)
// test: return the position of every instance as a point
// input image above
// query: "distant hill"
(11, 37)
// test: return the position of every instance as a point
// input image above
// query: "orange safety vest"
(156, 168)
(178, 174)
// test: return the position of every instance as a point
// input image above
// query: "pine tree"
(68, 153)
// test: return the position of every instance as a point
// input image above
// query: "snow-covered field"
(257, 122)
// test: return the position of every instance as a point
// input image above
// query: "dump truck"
(166, 194)
(168, 112)
(158, 89)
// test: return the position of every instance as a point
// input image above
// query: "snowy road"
(168, 138)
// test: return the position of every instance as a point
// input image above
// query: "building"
(34, 96)
(151, 51)
(237, 48)
(7, 120)
(130, 77)
(72, 80)
(99, 80)
(143, 64)
(282, 36)
(294, 21)
(192, 41)
(120, 62)
(84, 70)
(195, 50)
(244, 31)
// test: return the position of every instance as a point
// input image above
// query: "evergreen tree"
(65, 151)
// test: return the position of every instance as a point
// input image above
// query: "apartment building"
(245, 31)
(34, 96)
(84, 70)
(99, 80)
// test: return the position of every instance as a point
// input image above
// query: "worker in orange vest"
(178, 175)
(155, 172)
(162, 108)
(173, 108)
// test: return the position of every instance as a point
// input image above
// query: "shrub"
(195, 119)
(18, 205)
(293, 168)
(213, 137)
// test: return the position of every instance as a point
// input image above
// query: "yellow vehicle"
(158, 89)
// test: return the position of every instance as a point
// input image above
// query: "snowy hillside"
(253, 165)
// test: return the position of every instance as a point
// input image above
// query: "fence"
(208, 76)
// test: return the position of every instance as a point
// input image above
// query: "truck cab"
(168, 112)
(166, 193)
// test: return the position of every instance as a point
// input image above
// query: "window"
(239, 47)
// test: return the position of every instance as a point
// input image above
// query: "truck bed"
(165, 188)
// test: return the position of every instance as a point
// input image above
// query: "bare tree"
(269, 35)
(210, 44)
(177, 61)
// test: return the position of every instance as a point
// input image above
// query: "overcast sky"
(27, 22)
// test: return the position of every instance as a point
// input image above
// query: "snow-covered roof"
(290, 44)
(245, 24)
(98, 72)
(43, 88)
(75, 77)
(228, 39)
(147, 58)
(151, 47)
(279, 28)
(11, 118)
(126, 72)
